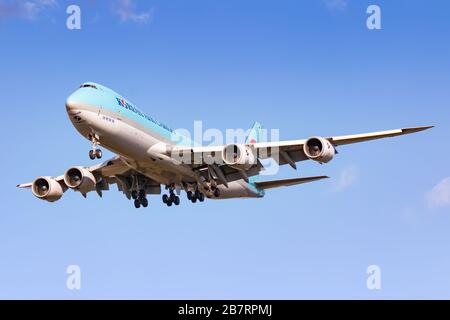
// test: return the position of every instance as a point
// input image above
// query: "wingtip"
(24, 185)
(416, 129)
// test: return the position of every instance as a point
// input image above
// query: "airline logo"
(128, 106)
(123, 103)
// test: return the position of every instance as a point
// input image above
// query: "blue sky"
(304, 67)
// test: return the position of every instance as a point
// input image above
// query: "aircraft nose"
(71, 102)
(70, 105)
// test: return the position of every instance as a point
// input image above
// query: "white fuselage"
(142, 149)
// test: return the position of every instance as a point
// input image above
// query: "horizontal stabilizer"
(264, 185)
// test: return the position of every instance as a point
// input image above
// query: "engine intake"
(47, 188)
(319, 149)
(80, 179)
(238, 156)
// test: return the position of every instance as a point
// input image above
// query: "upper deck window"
(88, 86)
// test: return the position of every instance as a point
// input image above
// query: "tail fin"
(255, 134)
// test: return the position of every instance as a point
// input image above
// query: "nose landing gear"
(94, 152)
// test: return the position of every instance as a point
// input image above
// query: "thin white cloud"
(348, 177)
(25, 9)
(127, 11)
(439, 196)
(336, 5)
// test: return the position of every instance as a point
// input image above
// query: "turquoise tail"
(255, 134)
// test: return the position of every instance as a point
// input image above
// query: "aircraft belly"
(133, 144)
(237, 189)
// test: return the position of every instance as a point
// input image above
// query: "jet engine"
(239, 156)
(47, 188)
(319, 149)
(80, 179)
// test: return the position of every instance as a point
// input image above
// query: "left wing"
(320, 149)
(295, 148)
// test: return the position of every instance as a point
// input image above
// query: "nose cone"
(72, 102)
(88, 95)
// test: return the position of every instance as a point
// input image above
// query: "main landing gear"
(94, 152)
(194, 196)
(171, 198)
(139, 199)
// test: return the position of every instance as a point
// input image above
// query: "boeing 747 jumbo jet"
(151, 155)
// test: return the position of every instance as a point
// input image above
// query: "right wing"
(113, 171)
(106, 170)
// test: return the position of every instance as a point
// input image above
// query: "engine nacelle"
(80, 179)
(319, 149)
(47, 188)
(239, 156)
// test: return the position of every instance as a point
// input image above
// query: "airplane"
(151, 155)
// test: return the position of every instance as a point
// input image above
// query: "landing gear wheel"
(201, 197)
(176, 201)
(98, 154)
(172, 197)
(144, 202)
(189, 195)
(169, 203)
(92, 154)
(165, 198)
(134, 195)
(194, 200)
(137, 204)
(216, 193)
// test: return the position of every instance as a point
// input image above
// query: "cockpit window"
(88, 86)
